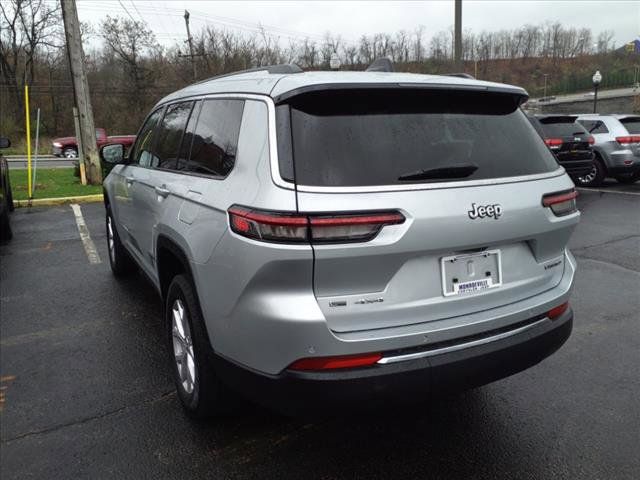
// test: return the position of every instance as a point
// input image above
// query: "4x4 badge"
(482, 211)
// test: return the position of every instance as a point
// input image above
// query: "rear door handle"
(162, 191)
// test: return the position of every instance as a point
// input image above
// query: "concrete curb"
(44, 202)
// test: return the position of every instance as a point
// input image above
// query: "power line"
(136, 9)
(125, 9)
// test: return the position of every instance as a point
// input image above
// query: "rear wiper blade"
(461, 170)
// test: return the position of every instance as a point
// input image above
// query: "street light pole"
(596, 79)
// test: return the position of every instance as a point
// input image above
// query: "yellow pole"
(26, 111)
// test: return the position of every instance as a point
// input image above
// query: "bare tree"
(129, 41)
(26, 27)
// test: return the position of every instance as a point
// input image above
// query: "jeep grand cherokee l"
(329, 238)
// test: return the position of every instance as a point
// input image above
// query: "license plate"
(469, 273)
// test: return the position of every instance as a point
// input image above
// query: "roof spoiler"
(383, 64)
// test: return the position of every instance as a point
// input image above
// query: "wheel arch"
(171, 260)
(598, 154)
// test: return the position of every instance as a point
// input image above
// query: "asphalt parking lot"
(86, 390)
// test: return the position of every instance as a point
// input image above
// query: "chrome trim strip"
(454, 348)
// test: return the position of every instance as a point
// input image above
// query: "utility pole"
(457, 43)
(544, 95)
(193, 58)
(87, 138)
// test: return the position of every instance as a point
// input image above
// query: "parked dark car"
(6, 198)
(568, 140)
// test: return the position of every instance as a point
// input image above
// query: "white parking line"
(89, 246)
(607, 191)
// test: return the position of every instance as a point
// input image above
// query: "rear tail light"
(335, 363)
(628, 139)
(292, 227)
(553, 143)
(561, 203)
(591, 140)
(557, 312)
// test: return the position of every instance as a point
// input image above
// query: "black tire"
(207, 396)
(5, 226)
(595, 177)
(628, 179)
(121, 262)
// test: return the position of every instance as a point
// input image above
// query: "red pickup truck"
(68, 146)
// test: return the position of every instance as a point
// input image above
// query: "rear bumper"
(624, 169)
(623, 161)
(294, 392)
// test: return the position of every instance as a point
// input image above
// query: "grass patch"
(50, 183)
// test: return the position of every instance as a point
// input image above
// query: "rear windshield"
(387, 137)
(561, 127)
(632, 124)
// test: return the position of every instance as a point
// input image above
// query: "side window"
(170, 133)
(187, 138)
(142, 151)
(215, 139)
(594, 126)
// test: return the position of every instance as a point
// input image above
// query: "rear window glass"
(632, 124)
(377, 137)
(561, 128)
(594, 126)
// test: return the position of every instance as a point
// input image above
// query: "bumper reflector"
(334, 363)
(557, 312)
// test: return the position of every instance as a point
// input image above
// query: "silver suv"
(339, 238)
(617, 148)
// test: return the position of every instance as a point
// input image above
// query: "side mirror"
(5, 142)
(113, 153)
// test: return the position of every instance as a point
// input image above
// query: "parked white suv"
(617, 148)
(324, 238)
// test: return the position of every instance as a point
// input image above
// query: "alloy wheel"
(589, 177)
(183, 346)
(110, 239)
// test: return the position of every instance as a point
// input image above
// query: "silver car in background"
(325, 239)
(617, 148)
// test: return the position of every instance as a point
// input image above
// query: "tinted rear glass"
(373, 137)
(215, 139)
(561, 128)
(594, 126)
(632, 124)
(170, 132)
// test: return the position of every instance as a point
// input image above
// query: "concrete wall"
(629, 104)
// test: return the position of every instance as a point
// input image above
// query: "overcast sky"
(298, 19)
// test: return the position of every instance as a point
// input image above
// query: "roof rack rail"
(383, 64)
(461, 75)
(283, 68)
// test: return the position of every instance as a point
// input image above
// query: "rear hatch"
(467, 172)
(631, 141)
(569, 141)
